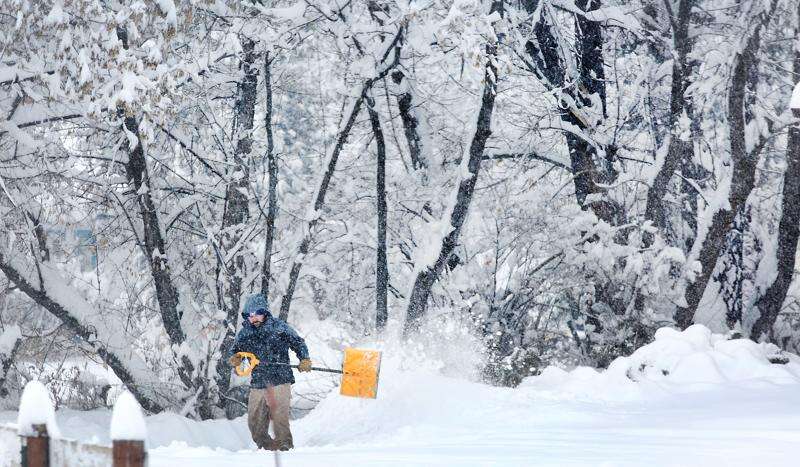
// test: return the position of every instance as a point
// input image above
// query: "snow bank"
(675, 361)
(36, 408)
(127, 422)
(413, 394)
(415, 401)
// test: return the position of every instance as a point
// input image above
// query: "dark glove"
(305, 365)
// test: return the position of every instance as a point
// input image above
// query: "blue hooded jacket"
(270, 343)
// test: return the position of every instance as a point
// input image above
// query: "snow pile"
(36, 408)
(691, 360)
(127, 422)
(698, 356)
(414, 375)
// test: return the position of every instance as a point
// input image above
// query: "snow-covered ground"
(687, 399)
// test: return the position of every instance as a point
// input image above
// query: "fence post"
(128, 433)
(128, 453)
(36, 449)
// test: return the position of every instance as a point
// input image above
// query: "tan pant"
(263, 405)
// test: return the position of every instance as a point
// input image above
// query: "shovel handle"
(315, 368)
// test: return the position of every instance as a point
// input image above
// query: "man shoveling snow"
(269, 339)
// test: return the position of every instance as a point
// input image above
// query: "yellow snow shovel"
(360, 371)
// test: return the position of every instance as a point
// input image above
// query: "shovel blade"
(360, 372)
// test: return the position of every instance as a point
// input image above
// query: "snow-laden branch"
(100, 331)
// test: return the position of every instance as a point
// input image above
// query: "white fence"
(30, 445)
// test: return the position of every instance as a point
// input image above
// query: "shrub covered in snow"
(676, 361)
(698, 356)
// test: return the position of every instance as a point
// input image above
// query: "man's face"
(256, 319)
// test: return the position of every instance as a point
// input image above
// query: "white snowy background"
(570, 226)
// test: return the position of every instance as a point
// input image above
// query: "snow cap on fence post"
(36, 408)
(128, 432)
(127, 421)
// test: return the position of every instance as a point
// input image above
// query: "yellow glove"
(305, 365)
(235, 360)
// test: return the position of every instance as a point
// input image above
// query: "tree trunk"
(693, 175)
(381, 268)
(590, 55)
(732, 275)
(153, 241)
(272, 197)
(418, 300)
(680, 148)
(547, 65)
(333, 157)
(743, 178)
(769, 304)
(237, 211)
(590, 170)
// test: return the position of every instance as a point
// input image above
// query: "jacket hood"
(255, 302)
